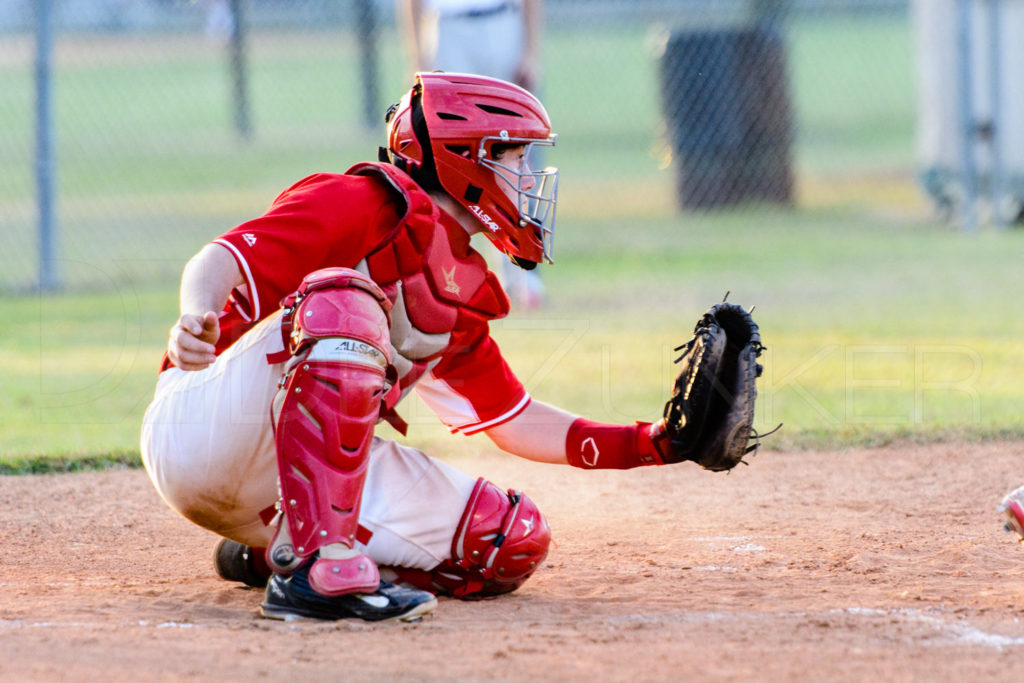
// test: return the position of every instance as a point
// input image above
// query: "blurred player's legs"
(457, 46)
(525, 288)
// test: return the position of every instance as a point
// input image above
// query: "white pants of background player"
(208, 445)
(489, 45)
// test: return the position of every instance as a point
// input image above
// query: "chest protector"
(440, 289)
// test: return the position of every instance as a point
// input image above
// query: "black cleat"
(236, 562)
(289, 597)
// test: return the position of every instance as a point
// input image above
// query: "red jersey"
(375, 219)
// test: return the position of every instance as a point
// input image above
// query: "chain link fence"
(172, 121)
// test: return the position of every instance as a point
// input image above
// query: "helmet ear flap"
(408, 145)
(426, 175)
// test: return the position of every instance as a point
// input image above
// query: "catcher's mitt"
(709, 418)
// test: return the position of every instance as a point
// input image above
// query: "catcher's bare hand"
(193, 340)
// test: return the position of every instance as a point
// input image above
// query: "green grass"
(78, 370)
(49, 464)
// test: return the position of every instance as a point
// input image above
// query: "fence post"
(366, 28)
(996, 137)
(49, 278)
(967, 126)
(239, 74)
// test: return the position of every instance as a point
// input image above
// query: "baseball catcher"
(302, 329)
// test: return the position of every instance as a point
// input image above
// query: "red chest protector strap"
(410, 236)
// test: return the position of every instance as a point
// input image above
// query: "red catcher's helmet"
(444, 133)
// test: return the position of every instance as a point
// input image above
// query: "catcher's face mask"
(534, 192)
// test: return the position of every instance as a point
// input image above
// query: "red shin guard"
(501, 539)
(324, 417)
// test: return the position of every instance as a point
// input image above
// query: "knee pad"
(328, 403)
(501, 539)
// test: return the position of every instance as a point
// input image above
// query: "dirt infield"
(885, 563)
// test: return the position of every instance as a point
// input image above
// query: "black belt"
(482, 13)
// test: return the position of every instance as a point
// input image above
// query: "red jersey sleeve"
(473, 389)
(323, 220)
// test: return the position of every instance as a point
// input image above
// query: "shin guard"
(325, 411)
(501, 539)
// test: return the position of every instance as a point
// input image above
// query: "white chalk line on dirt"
(21, 623)
(738, 544)
(73, 584)
(954, 632)
(728, 539)
(962, 631)
(713, 568)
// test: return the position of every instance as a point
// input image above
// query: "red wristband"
(597, 446)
